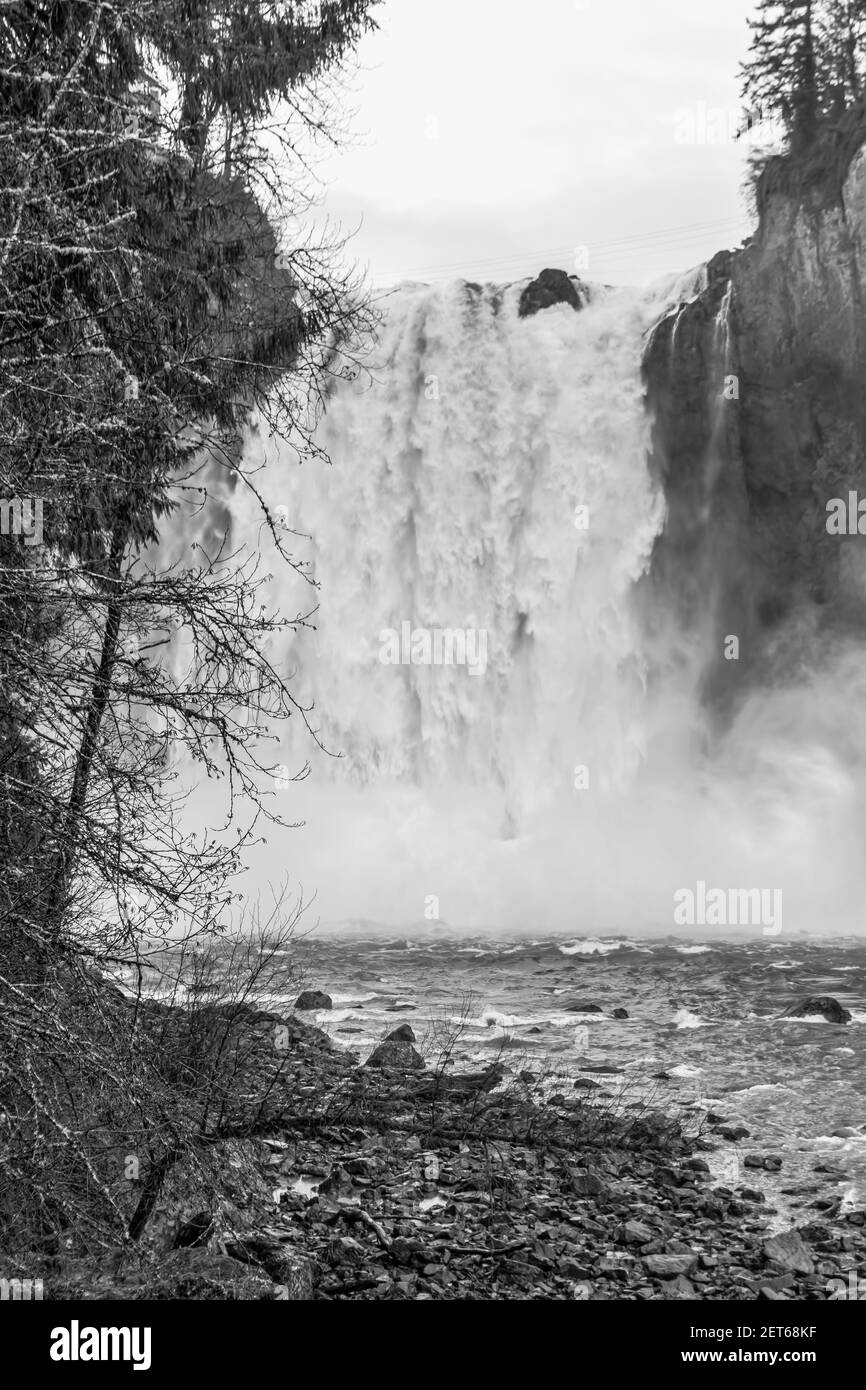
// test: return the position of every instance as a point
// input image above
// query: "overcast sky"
(493, 137)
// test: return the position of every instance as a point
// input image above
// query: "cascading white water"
(490, 475)
(559, 787)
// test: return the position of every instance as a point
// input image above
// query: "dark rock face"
(755, 385)
(395, 1056)
(552, 287)
(821, 1005)
(580, 1008)
(402, 1034)
(313, 999)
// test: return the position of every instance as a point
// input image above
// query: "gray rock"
(670, 1266)
(636, 1233)
(313, 999)
(395, 1056)
(818, 1006)
(402, 1034)
(552, 287)
(587, 1185)
(679, 1288)
(791, 1252)
(734, 1132)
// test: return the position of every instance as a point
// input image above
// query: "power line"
(647, 241)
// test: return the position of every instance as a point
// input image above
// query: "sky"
(491, 138)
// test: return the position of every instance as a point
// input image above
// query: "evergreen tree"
(155, 287)
(784, 75)
(146, 305)
(843, 37)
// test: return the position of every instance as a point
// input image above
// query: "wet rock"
(552, 287)
(581, 1008)
(679, 1287)
(818, 1006)
(669, 1266)
(636, 1233)
(734, 1132)
(620, 1013)
(395, 1056)
(313, 999)
(791, 1252)
(587, 1185)
(402, 1034)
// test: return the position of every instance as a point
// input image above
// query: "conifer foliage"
(805, 64)
(158, 284)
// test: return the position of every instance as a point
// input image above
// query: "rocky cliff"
(757, 388)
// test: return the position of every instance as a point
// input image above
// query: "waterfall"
(488, 482)
(513, 710)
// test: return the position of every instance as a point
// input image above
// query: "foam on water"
(576, 782)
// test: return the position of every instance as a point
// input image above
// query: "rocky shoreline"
(398, 1180)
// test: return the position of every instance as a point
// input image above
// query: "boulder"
(395, 1056)
(581, 1008)
(552, 287)
(636, 1233)
(733, 1133)
(791, 1252)
(313, 999)
(679, 1288)
(620, 1013)
(402, 1034)
(818, 1006)
(587, 1185)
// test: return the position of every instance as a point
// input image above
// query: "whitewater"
(488, 478)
